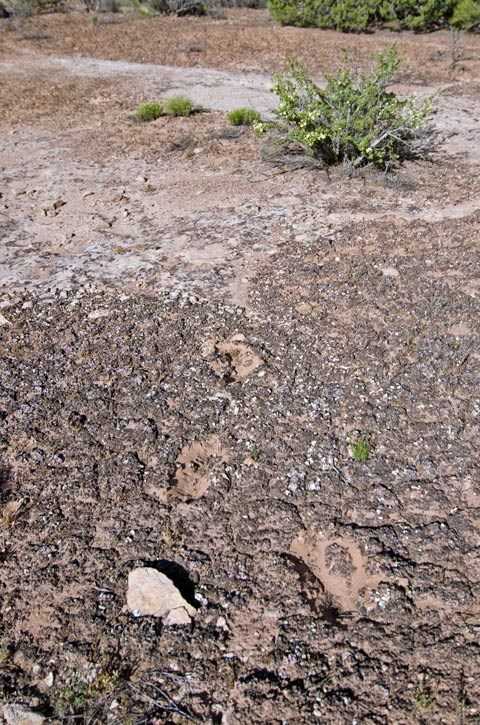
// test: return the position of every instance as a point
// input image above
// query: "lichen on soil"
(193, 341)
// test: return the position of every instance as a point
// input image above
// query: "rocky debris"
(17, 714)
(151, 593)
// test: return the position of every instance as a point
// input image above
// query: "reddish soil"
(193, 340)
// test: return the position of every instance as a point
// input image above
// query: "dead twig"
(170, 706)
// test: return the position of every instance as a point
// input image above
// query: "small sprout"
(94, 19)
(424, 697)
(149, 111)
(360, 450)
(179, 106)
(243, 117)
(4, 656)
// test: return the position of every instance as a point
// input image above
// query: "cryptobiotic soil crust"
(194, 339)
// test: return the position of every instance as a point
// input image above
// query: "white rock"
(16, 714)
(48, 681)
(97, 314)
(151, 593)
(390, 272)
(177, 616)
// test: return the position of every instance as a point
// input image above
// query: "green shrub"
(358, 15)
(179, 106)
(149, 111)
(466, 15)
(425, 15)
(24, 9)
(178, 7)
(352, 119)
(243, 117)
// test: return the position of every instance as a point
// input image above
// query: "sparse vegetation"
(86, 697)
(424, 697)
(243, 117)
(179, 106)
(354, 118)
(149, 111)
(360, 450)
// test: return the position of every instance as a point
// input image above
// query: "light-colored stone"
(16, 714)
(221, 623)
(151, 593)
(390, 272)
(48, 681)
(178, 616)
(98, 314)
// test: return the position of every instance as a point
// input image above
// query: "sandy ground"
(193, 339)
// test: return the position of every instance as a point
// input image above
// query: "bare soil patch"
(193, 338)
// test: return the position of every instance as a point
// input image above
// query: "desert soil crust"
(193, 340)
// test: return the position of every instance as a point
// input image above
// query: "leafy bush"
(149, 111)
(179, 106)
(425, 15)
(358, 15)
(23, 9)
(466, 15)
(354, 120)
(178, 7)
(243, 117)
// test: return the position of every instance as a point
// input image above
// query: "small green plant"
(424, 697)
(94, 19)
(179, 106)
(243, 117)
(353, 119)
(360, 450)
(81, 697)
(149, 111)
